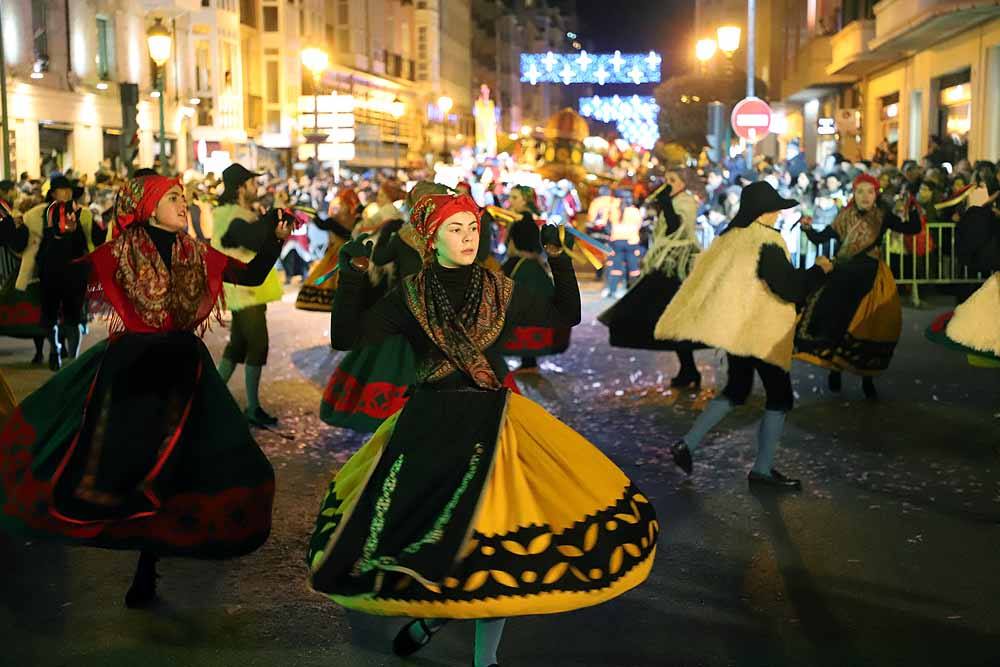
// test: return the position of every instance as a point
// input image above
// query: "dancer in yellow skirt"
(471, 502)
(7, 400)
(316, 295)
(853, 321)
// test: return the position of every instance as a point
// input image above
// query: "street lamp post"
(398, 109)
(316, 61)
(159, 41)
(444, 104)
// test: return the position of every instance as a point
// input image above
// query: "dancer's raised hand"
(355, 254)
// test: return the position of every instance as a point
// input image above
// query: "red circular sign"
(751, 119)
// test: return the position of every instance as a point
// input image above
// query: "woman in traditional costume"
(526, 267)
(974, 326)
(853, 321)
(138, 444)
(319, 286)
(370, 383)
(632, 319)
(472, 502)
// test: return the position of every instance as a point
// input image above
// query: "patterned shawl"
(859, 231)
(460, 337)
(145, 293)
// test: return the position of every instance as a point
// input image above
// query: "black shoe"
(143, 591)
(833, 381)
(682, 457)
(38, 359)
(868, 386)
(775, 479)
(405, 645)
(55, 362)
(686, 381)
(260, 418)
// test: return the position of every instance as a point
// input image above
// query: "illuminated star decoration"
(635, 117)
(583, 67)
(617, 61)
(566, 74)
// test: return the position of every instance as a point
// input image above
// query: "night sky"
(640, 25)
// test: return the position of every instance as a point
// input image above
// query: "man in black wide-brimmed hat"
(239, 232)
(741, 298)
(59, 233)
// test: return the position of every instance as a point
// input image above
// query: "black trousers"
(777, 383)
(62, 296)
(248, 342)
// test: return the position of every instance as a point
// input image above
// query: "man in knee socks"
(66, 236)
(239, 232)
(741, 298)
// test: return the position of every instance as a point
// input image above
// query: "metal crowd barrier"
(938, 266)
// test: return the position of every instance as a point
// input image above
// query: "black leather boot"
(143, 590)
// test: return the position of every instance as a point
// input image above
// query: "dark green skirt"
(369, 385)
(21, 311)
(138, 444)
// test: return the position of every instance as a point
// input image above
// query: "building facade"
(898, 73)
(234, 84)
(503, 30)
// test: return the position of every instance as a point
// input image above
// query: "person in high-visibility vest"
(238, 232)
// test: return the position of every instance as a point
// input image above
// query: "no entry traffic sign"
(751, 119)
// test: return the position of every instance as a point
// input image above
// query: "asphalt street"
(889, 555)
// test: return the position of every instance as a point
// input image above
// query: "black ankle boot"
(833, 381)
(143, 590)
(686, 380)
(868, 386)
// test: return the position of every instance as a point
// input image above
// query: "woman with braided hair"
(138, 445)
(471, 502)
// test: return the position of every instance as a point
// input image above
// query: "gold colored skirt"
(557, 526)
(320, 297)
(867, 347)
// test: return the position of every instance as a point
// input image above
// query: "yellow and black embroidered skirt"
(319, 297)
(479, 505)
(853, 322)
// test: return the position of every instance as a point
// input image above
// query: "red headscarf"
(349, 198)
(137, 199)
(871, 180)
(431, 211)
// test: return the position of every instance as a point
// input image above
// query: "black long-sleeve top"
(350, 327)
(250, 274)
(331, 225)
(245, 234)
(889, 221)
(787, 282)
(977, 239)
(665, 202)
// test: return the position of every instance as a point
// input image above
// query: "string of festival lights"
(635, 117)
(583, 67)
